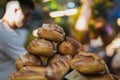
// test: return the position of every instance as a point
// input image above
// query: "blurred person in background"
(106, 33)
(17, 13)
(113, 49)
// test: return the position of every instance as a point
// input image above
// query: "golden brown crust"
(27, 76)
(51, 32)
(69, 46)
(41, 47)
(58, 57)
(57, 67)
(50, 39)
(29, 73)
(28, 60)
(33, 69)
(88, 63)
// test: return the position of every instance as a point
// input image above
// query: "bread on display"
(62, 56)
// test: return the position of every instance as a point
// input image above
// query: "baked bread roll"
(28, 60)
(88, 63)
(56, 70)
(69, 46)
(32, 69)
(58, 57)
(51, 32)
(29, 75)
(41, 47)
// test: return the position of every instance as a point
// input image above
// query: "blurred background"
(94, 23)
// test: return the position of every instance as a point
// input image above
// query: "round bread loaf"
(59, 57)
(57, 68)
(41, 47)
(69, 46)
(28, 60)
(88, 63)
(29, 75)
(32, 69)
(51, 32)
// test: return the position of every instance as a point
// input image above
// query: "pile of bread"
(51, 56)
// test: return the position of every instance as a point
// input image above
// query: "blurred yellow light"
(118, 21)
(35, 33)
(81, 24)
(58, 20)
(45, 1)
(56, 13)
(99, 24)
(69, 12)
